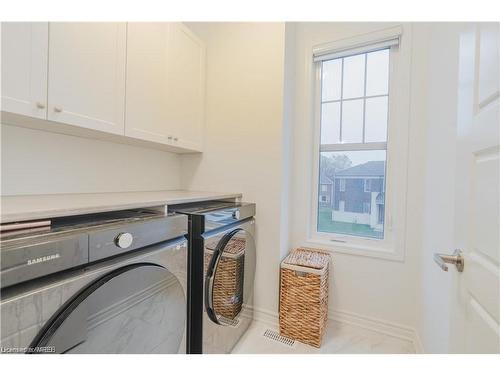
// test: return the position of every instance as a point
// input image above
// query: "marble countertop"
(32, 207)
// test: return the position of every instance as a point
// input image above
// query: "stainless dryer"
(221, 268)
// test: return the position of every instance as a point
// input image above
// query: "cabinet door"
(87, 75)
(187, 87)
(24, 68)
(147, 82)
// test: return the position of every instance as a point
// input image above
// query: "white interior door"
(475, 312)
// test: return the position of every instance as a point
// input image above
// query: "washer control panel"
(131, 236)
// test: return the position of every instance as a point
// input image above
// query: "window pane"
(377, 73)
(331, 80)
(376, 119)
(354, 77)
(347, 208)
(330, 123)
(352, 121)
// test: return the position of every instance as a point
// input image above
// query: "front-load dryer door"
(138, 308)
(229, 282)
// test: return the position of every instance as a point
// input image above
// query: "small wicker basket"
(228, 283)
(303, 310)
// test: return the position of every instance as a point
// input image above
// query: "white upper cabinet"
(146, 115)
(24, 68)
(142, 80)
(187, 86)
(87, 75)
(165, 85)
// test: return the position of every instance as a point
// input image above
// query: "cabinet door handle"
(57, 109)
(169, 137)
(176, 139)
(40, 105)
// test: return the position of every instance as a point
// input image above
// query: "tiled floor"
(339, 338)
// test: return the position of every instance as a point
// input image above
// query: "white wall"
(244, 137)
(249, 148)
(38, 162)
(379, 289)
(258, 128)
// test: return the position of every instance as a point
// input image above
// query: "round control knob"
(124, 240)
(236, 215)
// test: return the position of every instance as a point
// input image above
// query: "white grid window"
(361, 126)
(354, 98)
(354, 105)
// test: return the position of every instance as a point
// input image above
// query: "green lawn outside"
(326, 224)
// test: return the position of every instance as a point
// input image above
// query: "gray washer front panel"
(26, 308)
(40, 259)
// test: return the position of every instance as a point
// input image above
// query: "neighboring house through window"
(325, 194)
(364, 185)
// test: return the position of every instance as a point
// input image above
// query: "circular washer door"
(138, 308)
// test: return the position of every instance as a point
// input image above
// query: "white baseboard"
(266, 316)
(345, 317)
(378, 325)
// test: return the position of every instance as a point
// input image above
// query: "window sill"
(357, 249)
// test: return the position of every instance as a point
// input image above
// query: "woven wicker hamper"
(228, 283)
(303, 310)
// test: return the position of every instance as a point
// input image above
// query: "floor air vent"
(275, 336)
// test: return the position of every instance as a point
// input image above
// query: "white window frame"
(367, 182)
(378, 216)
(341, 184)
(392, 247)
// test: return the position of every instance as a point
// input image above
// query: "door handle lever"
(456, 258)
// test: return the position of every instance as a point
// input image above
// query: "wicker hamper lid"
(308, 258)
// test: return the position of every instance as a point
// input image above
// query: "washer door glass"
(230, 272)
(139, 308)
